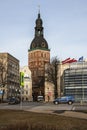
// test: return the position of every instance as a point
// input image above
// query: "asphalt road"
(60, 109)
(40, 106)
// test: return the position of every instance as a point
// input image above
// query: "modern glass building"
(75, 81)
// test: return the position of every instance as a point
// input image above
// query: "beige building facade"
(49, 91)
(27, 89)
(60, 82)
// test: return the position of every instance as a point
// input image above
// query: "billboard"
(21, 79)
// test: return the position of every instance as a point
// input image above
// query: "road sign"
(1, 91)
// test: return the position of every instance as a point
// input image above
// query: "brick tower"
(38, 56)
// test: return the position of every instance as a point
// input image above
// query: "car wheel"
(70, 102)
(56, 103)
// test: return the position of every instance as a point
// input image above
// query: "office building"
(9, 75)
(75, 80)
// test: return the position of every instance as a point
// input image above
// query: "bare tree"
(2, 76)
(51, 73)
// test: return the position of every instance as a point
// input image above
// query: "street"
(44, 107)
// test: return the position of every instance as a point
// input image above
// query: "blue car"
(64, 99)
(14, 100)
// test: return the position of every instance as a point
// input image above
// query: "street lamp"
(16, 92)
(10, 94)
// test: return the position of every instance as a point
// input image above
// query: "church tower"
(38, 56)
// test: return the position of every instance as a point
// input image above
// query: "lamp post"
(16, 92)
(10, 91)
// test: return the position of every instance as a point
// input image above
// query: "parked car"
(5, 100)
(64, 99)
(14, 100)
(40, 98)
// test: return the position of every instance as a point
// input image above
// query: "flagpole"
(21, 86)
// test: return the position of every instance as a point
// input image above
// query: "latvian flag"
(69, 60)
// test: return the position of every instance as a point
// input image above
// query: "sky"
(64, 22)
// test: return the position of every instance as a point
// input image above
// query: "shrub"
(27, 126)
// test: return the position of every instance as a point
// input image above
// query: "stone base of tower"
(37, 91)
(47, 91)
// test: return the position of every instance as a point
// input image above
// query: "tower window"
(41, 54)
(38, 32)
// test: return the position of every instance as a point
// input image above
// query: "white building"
(27, 89)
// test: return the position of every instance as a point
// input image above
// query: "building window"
(26, 92)
(24, 70)
(26, 86)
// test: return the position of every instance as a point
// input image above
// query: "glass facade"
(75, 81)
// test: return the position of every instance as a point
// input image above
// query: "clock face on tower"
(33, 45)
(43, 44)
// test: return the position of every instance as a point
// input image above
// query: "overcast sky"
(64, 22)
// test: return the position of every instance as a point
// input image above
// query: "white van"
(40, 98)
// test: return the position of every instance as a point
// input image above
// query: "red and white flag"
(69, 60)
(66, 60)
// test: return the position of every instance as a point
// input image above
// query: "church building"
(38, 57)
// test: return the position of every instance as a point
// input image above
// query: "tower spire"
(38, 9)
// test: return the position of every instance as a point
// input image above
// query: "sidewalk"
(60, 112)
(74, 114)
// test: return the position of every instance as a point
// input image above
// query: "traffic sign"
(1, 91)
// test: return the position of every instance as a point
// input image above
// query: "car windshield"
(40, 97)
